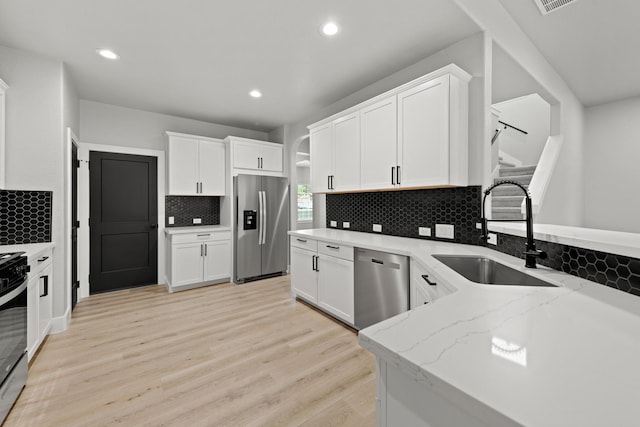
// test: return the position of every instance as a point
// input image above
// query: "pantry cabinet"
(414, 136)
(198, 258)
(322, 274)
(195, 166)
(335, 150)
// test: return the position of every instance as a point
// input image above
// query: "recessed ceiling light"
(107, 53)
(330, 29)
(255, 93)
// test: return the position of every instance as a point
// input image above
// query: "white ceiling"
(200, 58)
(593, 44)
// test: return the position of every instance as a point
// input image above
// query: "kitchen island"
(503, 355)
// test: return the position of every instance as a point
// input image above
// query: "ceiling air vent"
(548, 6)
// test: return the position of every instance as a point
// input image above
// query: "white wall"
(113, 125)
(563, 203)
(34, 142)
(612, 172)
(532, 114)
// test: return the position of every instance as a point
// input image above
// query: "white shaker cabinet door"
(186, 263)
(212, 168)
(335, 287)
(378, 144)
(217, 260)
(45, 301)
(183, 166)
(271, 158)
(423, 134)
(321, 158)
(346, 153)
(303, 277)
(246, 155)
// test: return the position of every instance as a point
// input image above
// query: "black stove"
(13, 328)
(13, 270)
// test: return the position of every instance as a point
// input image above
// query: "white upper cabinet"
(195, 166)
(378, 144)
(346, 152)
(212, 167)
(253, 155)
(321, 149)
(414, 136)
(432, 135)
(270, 157)
(335, 150)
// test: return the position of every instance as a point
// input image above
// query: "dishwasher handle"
(377, 261)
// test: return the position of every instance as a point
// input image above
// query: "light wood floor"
(220, 355)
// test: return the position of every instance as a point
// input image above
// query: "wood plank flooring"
(233, 355)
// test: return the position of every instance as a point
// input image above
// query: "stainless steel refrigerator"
(261, 210)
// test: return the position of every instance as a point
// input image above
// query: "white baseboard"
(61, 324)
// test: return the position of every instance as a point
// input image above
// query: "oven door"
(13, 328)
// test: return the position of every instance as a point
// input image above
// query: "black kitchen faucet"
(531, 253)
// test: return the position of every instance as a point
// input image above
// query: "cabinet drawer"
(40, 262)
(205, 236)
(304, 243)
(336, 250)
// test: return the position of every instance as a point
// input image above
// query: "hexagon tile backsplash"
(25, 217)
(616, 271)
(401, 213)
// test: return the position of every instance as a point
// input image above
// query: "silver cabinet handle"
(201, 252)
(333, 247)
(205, 249)
(204, 235)
(398, 175)
(393, 175)
(301, 240)
(43, 259)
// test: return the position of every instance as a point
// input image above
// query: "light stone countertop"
(615, 242)
(31, 250)
(195, 229)
(537, 356)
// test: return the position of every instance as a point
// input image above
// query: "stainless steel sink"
(488, 272)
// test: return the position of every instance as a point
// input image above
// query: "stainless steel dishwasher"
(381, 286)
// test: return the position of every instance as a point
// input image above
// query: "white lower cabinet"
(304, 281)
(322, 274)
(197, 259)
(404, 400)
(39, 300)
(426, 286)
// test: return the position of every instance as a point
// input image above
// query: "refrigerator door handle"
(260, 219)
(264, 217)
